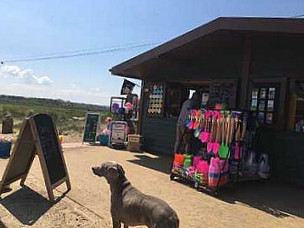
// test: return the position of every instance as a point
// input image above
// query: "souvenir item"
(254, 94)
(269, 118)
(216, 144)
(196, 160)
(187, 161)
(224, 149)
(262, 105)
(202, 170)
(210, 142)
(263, 92)
(179, 159)
(270, 105)
(271, 94)
(214, 172)
(156, 100)
(254, 104)
(206, 134)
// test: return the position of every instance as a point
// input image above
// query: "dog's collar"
(125, 184)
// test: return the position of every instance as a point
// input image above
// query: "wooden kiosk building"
(254, 64)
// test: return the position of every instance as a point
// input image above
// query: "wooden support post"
(246, 72)
(141, 108)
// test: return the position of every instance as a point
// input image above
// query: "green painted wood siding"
(158, 135)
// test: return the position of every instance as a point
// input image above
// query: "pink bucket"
(214, 172)
(202, 167)
(196, 160)
(202, 170)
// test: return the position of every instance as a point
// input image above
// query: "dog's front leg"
(126, 226)
(116, 223)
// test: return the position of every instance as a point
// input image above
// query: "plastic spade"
(216, 144)
(205, 135)
(210, 143)
(224, 149)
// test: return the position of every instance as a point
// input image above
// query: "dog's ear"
(120, 170)
(113, 173)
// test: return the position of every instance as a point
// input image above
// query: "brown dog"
(131, 207)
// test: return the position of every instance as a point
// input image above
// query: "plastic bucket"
(5, 149)
(179, 159)
(187, 161)
(104, 140)
(214, 172)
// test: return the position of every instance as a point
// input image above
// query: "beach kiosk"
(250, 64)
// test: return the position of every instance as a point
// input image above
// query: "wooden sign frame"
(36, 151)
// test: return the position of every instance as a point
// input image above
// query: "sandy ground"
(87, 204)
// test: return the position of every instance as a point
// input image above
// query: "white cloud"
(27, 75)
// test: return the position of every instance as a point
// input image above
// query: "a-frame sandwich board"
(38, 136)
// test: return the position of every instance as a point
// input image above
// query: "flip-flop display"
(156, 98)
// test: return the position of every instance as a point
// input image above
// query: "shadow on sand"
(279, 200)
(159, 163)
(26, 205)
(2, 225)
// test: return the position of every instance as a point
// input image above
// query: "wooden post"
(141, 108)
(246, 72)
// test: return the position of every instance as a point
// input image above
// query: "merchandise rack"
(200, 186)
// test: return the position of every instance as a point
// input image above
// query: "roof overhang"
(131, 68)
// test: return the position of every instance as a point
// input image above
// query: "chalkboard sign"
(223, 92)
(50, 147)
(92, 125)
(22, 155)
(37, 136)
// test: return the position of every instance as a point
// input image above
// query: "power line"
(81, 53)
(75, 51)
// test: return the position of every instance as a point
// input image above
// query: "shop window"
(222, 92)
(264, 102)
(173, 101)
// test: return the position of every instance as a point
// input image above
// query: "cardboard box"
(134, 143)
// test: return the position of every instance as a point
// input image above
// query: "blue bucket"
(5, 149)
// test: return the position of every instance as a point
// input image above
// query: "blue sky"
(36, 27)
